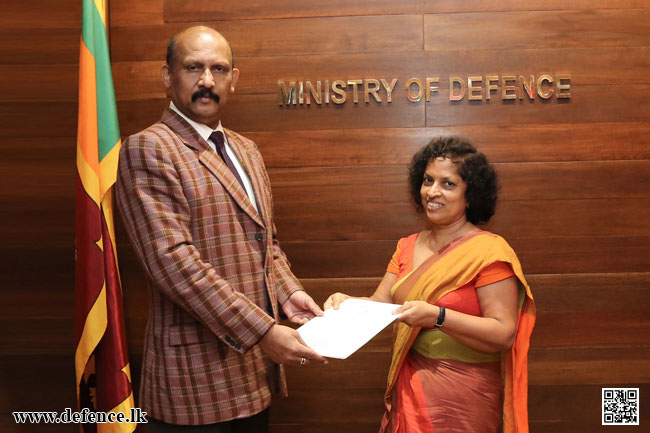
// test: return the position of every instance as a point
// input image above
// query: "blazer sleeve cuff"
(242, 343)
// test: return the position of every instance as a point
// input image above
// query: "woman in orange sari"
(461, 344)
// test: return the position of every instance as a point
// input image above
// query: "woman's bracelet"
(441, 317)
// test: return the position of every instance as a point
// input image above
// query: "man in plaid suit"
(196, 201)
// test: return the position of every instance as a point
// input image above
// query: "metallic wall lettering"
(527, 87)
(508, 91)
(287, 96)
(472, 89)
(338, 88)
(489, 87)
(475, 87)
(418, 85)
(389, 88)
(327, 91)
(355, 90)
(453, 96)
(316, 93)
(432, 86)
(301, 93)
(367, 90)
(540, 83)
(563, 83)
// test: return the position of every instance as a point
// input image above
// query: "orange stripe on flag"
(87, 131)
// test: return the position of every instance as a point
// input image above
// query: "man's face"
(201, 76)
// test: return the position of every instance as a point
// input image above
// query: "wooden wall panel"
(30, 150)
(588, 104)
(566, 180)
(551, 255)
(574, 175)
(557, 400)
(60, 119)
(548, 29)
(196, 10)
(23, 269)
(130, 13)
(588, 66)
(38, 46)
(514, 143)
(567, 318)
(54, 82)
(559, 295)
(565, 315)
(369, 220)
(136, 115)
(42, 14)
(28, 384)
(589, 108)
(268, 37)
(531, 181)
(39, 49)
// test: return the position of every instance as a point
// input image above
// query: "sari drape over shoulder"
(454, 267)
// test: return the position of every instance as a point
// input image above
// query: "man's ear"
(166, 75)
(235, 77)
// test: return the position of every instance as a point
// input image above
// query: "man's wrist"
(296, 290)
(266, 332)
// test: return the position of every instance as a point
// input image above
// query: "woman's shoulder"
(494, 243)
(491, 237)
(408, 241)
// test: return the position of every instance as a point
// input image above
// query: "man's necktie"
(217, 138)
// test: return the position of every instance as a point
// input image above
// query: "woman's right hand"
(334, 301)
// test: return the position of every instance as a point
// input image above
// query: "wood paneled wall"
(575, 178)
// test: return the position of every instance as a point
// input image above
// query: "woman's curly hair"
(473, 168)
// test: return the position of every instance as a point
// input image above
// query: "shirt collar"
(203, 130)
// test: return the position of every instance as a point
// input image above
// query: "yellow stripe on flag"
(108, 169)
(92, 333)
(124, 407)
(87, 151)
(107, 209)
(102, 8)
(88, 177)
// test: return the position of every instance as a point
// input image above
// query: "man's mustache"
(205, 92)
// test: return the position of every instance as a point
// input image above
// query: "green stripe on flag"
(93, 33)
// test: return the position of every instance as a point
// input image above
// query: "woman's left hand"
(418, 314)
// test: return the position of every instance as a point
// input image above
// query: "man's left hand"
(300, 307)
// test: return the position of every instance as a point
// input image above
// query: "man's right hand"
(285, 346)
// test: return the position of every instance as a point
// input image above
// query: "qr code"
(620, 406)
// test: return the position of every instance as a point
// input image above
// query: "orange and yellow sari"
(428, 393)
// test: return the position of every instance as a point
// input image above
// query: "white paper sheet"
(340, 333)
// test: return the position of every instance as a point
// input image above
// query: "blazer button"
(259, 236)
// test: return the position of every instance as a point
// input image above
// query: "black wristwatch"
(441, 317)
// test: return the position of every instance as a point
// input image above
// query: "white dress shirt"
(205, 131)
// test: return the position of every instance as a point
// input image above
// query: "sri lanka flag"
(101, 361)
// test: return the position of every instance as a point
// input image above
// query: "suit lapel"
(211, 160)
(252, 168)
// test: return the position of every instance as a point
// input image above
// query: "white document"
(340, 333)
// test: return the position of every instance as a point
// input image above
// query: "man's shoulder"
(158, 133)
(158, 129)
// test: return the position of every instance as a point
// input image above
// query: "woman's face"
(443, 192)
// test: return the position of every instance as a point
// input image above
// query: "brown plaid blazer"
(215, 273)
